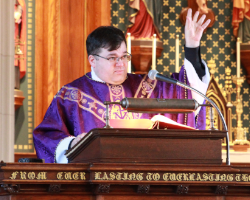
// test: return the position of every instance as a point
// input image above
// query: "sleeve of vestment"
(53, 131)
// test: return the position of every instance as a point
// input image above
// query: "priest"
(79, 106)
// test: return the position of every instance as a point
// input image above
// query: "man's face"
(113, 73)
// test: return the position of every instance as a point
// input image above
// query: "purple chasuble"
(78, 107)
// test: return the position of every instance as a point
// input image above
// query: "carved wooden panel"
(72, 41)
(54, 188)
(62, 27)
(143, 189)
(79, 181)
(11, 188)
(103, 188)
(182, 189)
(221, 189)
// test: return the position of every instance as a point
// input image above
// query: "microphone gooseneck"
(154, 74)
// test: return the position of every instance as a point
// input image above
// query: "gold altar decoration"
(18, 49)
(221, 97)
(18, 94)
(229, 105)
(239, 130)
(228, 86)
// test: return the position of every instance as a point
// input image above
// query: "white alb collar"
(95, 77)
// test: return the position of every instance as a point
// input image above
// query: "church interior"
(49, 51)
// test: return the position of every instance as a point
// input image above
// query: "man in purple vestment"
(78, 106)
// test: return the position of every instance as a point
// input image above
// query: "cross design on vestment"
(92, 105)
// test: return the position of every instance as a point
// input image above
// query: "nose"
(119, 62)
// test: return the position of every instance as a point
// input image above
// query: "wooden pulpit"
(119, 164)
(148, 146)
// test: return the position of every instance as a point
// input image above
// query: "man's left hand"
(194, 29)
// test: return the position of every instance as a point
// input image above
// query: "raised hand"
(194, 29)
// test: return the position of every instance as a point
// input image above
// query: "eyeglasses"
(125, 58)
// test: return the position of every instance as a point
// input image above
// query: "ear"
(92, 61)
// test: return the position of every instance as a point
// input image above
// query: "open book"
(157, 122)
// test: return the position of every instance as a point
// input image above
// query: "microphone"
(154, 74)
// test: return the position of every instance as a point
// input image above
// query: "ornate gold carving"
(23, 175)
(68, 176)
(41, 176)
(60, 176)
(169, 177)
(14, 175)
(228, 87)
(82, 175)
(18, 52)
(211, 64)
(239, 130)
(153, 176)
(139, 177)
(134, 176)
(75, 176)
(221, 97)
(71, 176)
(118, 176)
(31, 175)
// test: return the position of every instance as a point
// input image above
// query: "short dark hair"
(107, 37)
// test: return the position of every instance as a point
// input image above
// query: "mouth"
(120, 71)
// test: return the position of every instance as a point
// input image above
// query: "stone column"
(7, 80)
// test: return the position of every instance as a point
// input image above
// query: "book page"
(157, 122)
(166, 123)
(131, 123)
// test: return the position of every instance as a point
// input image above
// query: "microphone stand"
(219, 112)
